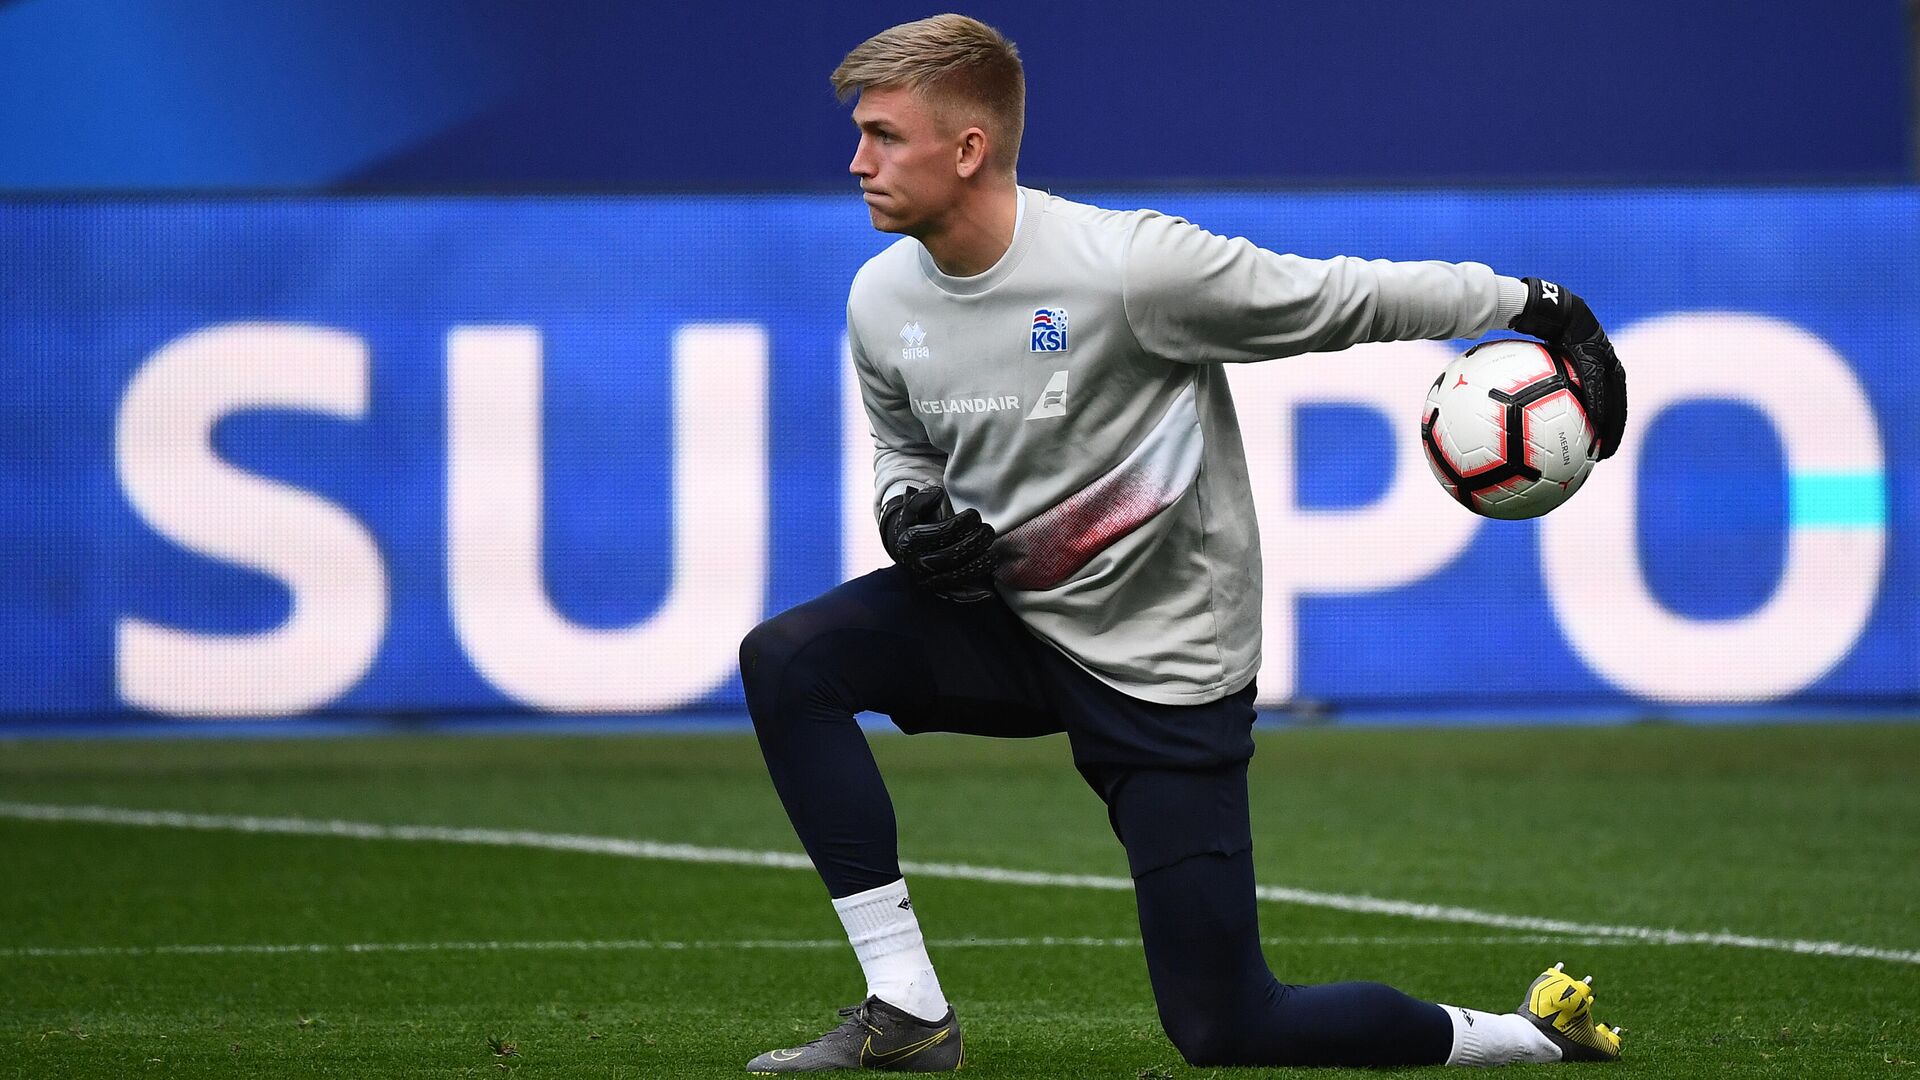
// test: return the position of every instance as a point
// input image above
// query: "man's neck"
(974, 236)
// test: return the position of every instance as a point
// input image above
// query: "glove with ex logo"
(1558, 317)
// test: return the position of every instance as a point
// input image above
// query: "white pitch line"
(31, 952)
(648, 849)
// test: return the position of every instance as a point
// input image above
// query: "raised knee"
(792, 661)
(765, 654)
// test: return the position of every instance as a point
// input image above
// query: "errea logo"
(913, 342)
(1049, 332)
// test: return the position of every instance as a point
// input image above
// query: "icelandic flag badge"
(1049, 330)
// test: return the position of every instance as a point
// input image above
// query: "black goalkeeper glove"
(1558, 317)
(948, 553)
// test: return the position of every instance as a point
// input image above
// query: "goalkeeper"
(1060, 482)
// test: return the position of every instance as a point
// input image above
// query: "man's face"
(907, 161)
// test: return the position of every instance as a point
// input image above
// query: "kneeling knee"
(1205, 1040)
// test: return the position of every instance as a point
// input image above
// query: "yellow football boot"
(1562, 1008)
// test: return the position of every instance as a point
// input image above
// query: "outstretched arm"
(1194, 296)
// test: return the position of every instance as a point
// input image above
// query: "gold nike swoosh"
(900, 1053)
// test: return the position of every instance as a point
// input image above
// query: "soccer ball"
(1504, 432)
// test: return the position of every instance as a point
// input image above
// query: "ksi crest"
(1049, 330)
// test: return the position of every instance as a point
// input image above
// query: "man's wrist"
(899, 488)
(1513, 298)
(889, 514)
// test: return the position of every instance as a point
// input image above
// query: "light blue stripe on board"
(1855, 500)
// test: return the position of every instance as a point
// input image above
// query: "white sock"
(886, 937)
(1482, 1038)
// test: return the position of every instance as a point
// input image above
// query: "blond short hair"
(953, 60)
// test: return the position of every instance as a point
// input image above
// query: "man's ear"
(971, 157)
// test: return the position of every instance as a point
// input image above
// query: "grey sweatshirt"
(1073, 395)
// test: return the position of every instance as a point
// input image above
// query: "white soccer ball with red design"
(1504, 431)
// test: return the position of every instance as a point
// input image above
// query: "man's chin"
(883, 221)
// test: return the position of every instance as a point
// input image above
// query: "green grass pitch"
(129, 951)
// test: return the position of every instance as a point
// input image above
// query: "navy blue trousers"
(1173, 779)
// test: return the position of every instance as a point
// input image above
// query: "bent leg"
(878, 644)
(1218, 1001)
